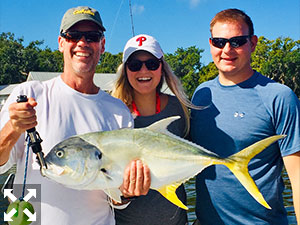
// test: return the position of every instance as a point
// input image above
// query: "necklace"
(136, 111)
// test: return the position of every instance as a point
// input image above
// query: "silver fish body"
(97, 160)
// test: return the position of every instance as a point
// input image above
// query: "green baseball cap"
(80, 13)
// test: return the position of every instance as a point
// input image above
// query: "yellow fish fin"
(246, 180)
(169, 193)
(238, 164)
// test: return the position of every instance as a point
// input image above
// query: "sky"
(174, 23)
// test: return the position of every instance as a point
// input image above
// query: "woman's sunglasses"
(75, 36)
(235, 42)
(135, 65)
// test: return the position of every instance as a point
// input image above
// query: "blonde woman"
(139, 86)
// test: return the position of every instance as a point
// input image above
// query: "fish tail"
(238, 164)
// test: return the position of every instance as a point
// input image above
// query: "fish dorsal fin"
(161, 125)
(169, 193)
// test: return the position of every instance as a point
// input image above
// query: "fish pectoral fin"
(114, 194)
(169, 192)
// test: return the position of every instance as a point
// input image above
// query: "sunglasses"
(75, 36)
(235, 42)
(135, 65)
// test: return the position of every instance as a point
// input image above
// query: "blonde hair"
(124, 91)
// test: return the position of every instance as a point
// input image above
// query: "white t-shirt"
(63, 112)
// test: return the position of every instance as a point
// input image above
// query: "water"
(191, 194)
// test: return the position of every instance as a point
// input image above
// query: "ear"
(253, 41)
(61, 44)
(210, 45)
(102, 43)
(209, 42)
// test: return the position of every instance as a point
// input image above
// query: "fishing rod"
(132, 26)
(34, 139)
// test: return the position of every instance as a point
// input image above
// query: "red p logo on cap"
(141, 39)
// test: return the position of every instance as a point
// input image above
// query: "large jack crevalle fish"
(97, 160)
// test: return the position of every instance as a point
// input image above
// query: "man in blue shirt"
(245, 107)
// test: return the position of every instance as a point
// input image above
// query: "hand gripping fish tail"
(97, 160)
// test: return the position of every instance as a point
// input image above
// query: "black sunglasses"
(75, 36)
(235, 42)
(135, 64)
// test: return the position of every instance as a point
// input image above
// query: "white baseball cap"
(142, 42)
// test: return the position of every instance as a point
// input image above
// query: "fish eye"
(98, 154)
(60, 153)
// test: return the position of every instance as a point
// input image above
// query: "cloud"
(138, 9)
(194, 3)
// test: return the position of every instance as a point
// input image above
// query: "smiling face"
(81, 57)
(233, 63)
(144, 81)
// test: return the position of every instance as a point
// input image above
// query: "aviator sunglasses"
(75, 36)
(135, 65)
(235, 42)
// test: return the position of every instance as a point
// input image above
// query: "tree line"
(278, 59)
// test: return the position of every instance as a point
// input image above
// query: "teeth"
(144, 78)
(82, 54)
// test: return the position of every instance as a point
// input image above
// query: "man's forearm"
(292, 165)
(8, 138)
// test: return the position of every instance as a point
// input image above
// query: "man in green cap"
(64, 106)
